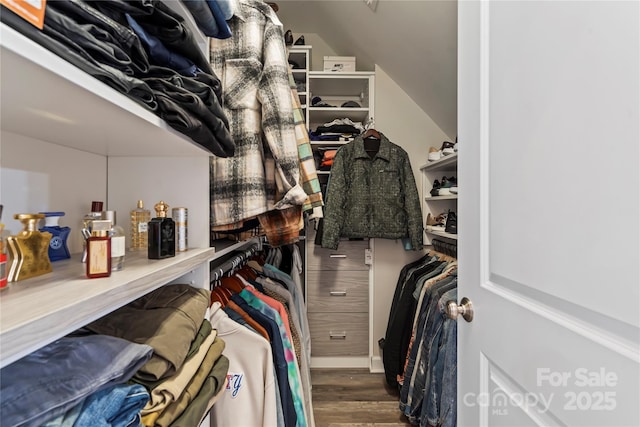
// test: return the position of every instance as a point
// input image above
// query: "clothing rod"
(239, 257)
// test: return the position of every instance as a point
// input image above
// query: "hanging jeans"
(424, 351)
(439, 401)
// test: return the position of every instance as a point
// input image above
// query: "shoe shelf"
(436, 205)
(436, 198)
(443, 234)
(445, 163)
(301, 55)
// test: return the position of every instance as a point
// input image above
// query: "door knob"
(465, 309)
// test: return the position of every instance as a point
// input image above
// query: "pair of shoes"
(435, 188)
(451, 225)
(288, 38)
(447, 148)
(437, 223)
(447, 185)
(434, 154)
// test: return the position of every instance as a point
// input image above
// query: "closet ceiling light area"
(407, 39)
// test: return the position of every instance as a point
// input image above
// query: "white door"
(549, 136)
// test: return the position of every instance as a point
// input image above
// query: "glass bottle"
(58, 248)
(29, 249)
(87, 220)
(162, 234)
(118, 244)
(140, 218)
(99, 250)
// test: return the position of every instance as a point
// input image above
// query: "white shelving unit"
(68, 139)
(301, 55)
(336, 88)
(446, 166)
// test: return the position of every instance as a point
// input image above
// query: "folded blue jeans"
(116, 406)
(57, 377)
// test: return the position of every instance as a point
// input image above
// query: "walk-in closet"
(249, 213)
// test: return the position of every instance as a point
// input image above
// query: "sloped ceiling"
(415, 42)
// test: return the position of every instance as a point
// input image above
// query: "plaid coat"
(264, 173)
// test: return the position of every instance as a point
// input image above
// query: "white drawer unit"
(338, 303)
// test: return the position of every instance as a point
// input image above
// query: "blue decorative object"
(58, 249)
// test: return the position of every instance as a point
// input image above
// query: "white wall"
(30, 182)
(405, 124)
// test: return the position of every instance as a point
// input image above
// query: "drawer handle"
(338, 293)
(337, 256)
(338, 335)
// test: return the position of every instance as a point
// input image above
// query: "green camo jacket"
(372, 198)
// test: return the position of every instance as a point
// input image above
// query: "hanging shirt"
(372, 197)
(264, 173)
(250, 396)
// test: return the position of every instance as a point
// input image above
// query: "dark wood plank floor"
(354, 398)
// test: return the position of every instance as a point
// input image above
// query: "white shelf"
(329, 143)
(49, 99)
(443, 234)
(350, 84)
(445, 163)
(328, 114)
(67, 300)
(436, 198)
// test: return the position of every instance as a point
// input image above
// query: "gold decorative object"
(29, 249)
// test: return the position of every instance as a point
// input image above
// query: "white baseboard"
(340, 362)
(377, 366)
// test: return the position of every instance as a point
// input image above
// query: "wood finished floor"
(354, 398)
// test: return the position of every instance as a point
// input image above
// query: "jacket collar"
(238, 10)
(384, 152)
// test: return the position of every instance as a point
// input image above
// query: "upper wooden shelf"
(47, 98)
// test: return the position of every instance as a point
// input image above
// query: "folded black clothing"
(346, 129)
(187, 113)
(160, 21)
(67, 49)
(103, 27)
(202, 84)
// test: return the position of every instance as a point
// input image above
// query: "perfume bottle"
(140, 218)
(87, 220)
(58, 248)
(117, 241)
(162, 234)
(99, 250)
(29, 249)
